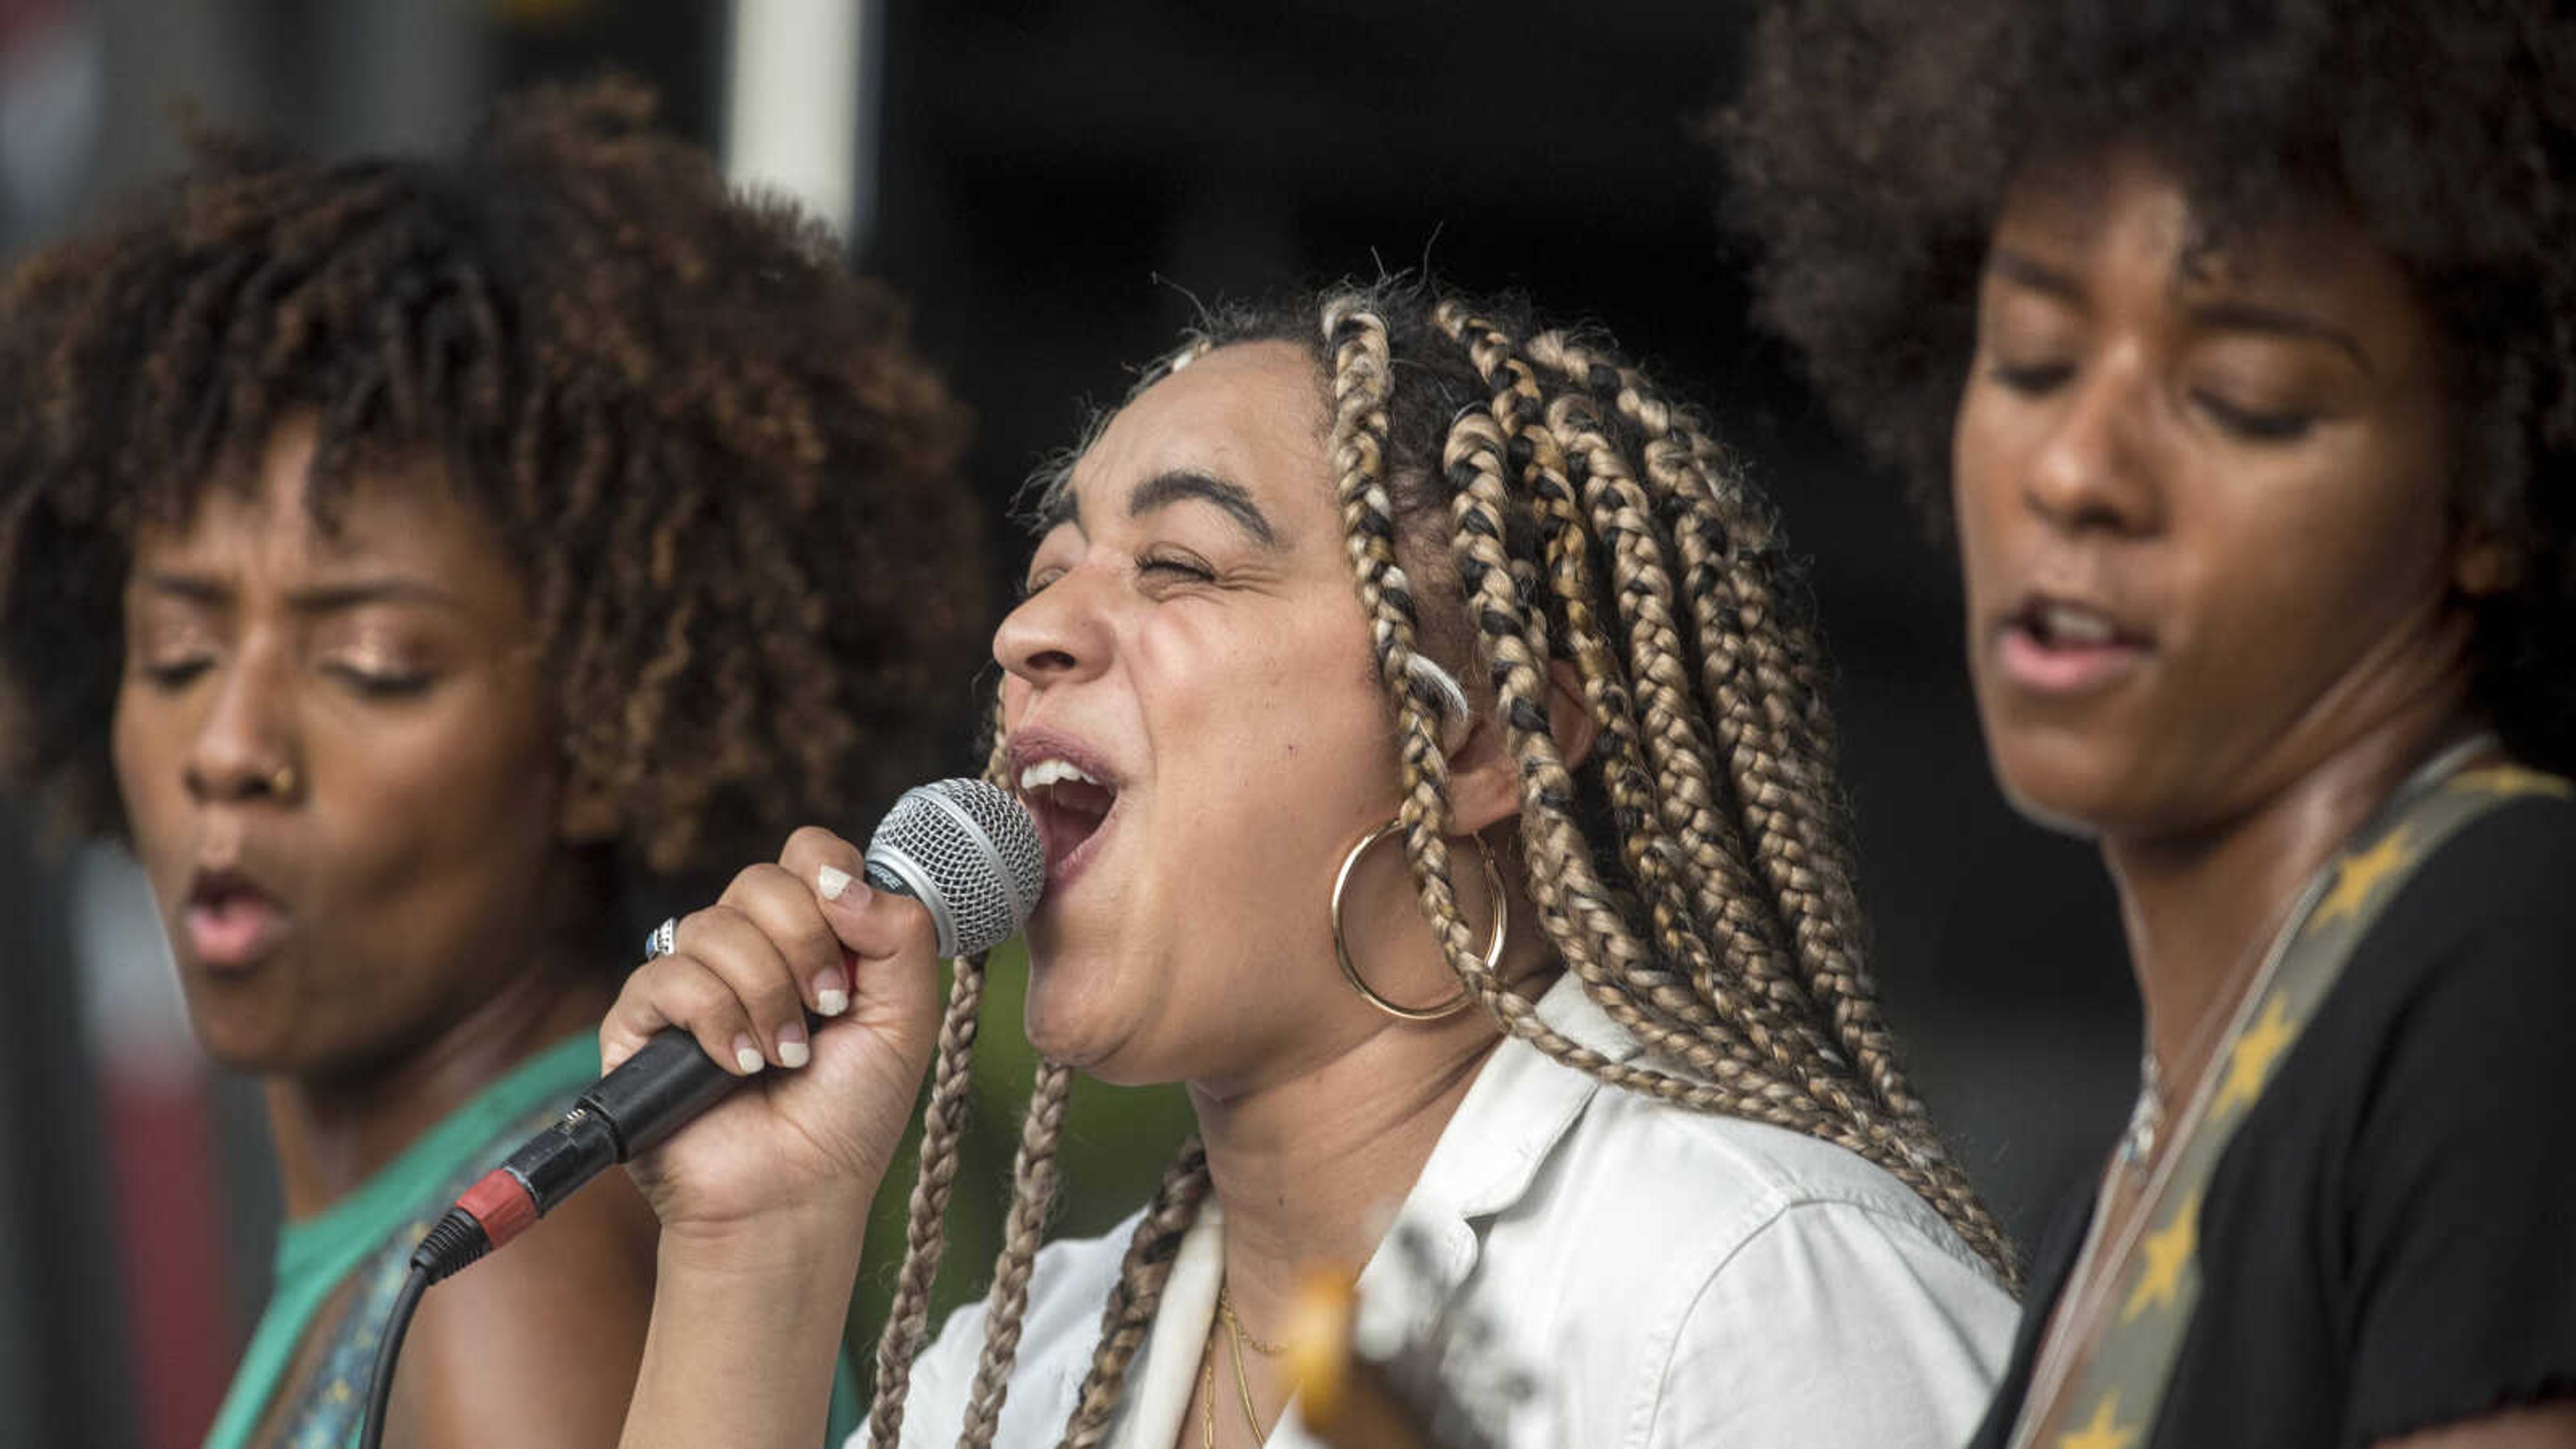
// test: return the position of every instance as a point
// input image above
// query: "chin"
(240, 1045)
(1072, 1026)
(2059, 789)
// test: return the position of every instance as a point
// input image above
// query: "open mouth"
(1071, 805)
(230, 922)
(2056, 645)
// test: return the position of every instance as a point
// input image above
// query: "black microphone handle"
(637, 1107)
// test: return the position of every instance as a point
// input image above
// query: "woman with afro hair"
(412, 560)
(2238, 344)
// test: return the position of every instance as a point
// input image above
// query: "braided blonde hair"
(1694, 873)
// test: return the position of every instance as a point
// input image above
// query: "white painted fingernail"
(831, 1001)
(831, 880)
(794, 1054)
(747, 1056)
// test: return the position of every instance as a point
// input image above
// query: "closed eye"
(2031, 379)
(379, 684)
(175, 673)
(1173, 565)
(2255, 425)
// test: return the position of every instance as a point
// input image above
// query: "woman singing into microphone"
(408, 558)
(1436, 778)
(2240, 342)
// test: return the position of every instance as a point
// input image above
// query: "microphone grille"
(971, 853)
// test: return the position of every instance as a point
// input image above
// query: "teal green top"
(371, 1233)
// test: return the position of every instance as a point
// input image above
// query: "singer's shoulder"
(1577, 1161)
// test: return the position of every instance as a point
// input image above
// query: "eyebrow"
(2216, 316)
(2012, 266)
(1183, 485)
(323, 599)
(2254, 317)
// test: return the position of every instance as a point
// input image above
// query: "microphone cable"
(456, 1241)
(371, 1432)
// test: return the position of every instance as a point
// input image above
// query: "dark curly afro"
(1873, 140)
(727, 479)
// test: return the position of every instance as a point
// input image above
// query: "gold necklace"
(1234, 1320)
(1242, 1381)
(1236, 1336)
(1207, 1400)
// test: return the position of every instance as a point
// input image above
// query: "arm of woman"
(2549, 1426)
(743, 1338)
(763, 1199)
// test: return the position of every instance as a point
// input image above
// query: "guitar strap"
(2120, 1390)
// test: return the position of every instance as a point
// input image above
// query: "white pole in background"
(797, 119)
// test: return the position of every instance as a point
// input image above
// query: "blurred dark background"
(1055, 187)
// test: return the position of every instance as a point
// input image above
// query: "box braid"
(1589, 519)
(1033, 1183)
(1798, 820)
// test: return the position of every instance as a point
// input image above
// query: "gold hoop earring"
(1493, 952)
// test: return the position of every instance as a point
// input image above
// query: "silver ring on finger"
(659, 940)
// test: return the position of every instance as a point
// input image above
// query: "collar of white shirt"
(1520, 1105)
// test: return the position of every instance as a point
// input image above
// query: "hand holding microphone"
(814, 979)
(825, 937)
(812, 986)
(806, 999)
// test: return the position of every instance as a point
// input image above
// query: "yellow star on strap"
(2512, 780)
(2356, 876)
(2249, 1062)
(2103, 1432)
(2167, 1253)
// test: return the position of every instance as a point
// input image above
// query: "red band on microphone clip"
(501, 1205)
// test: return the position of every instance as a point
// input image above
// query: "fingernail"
(746, 1055)
(830, 997)
(830, 881)
(792, 1051)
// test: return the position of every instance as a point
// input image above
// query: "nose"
(2093, 469)
(1060, 634)
(244, 745)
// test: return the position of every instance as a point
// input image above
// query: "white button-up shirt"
(1663, 1279)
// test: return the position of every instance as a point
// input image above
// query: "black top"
(2389, 1243)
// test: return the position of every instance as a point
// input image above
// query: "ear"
(589, 813)
(1484, 779)
(2482, 564)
